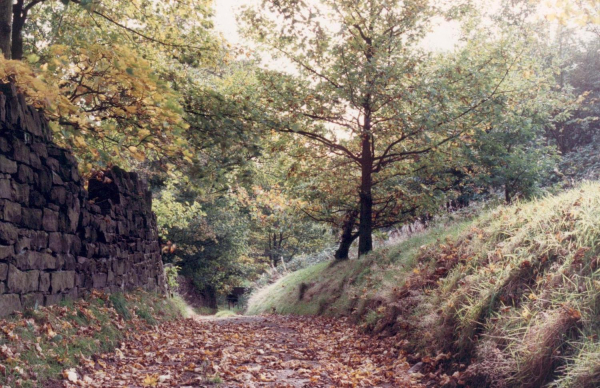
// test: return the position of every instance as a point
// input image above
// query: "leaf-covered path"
(265, 351)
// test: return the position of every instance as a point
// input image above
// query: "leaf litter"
(263, 351)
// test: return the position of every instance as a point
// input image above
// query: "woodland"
(335, 125)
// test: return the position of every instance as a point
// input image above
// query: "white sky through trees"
(444, 36)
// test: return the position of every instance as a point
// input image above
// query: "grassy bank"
(41, 344)
(513, 296)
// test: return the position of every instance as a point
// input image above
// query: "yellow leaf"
(79, 141)
(150, 381)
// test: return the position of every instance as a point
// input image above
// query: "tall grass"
(514, 293)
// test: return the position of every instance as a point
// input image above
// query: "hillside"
(509, 299)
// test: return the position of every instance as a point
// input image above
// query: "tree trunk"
(347, 238)
(507, 194)
(20, 15)
(210, 297)
(365, 229)
(6, 12)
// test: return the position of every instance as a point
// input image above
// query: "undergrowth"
(509, 299)
(39, 344)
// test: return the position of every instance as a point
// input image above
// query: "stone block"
(3, 271)
(11, 212)
(9, 303)
(67, 262)
(57, 243)
(4, 146)
(52, 163)
(72, 294)
(37, 199)
(61, 280)
(80, 280)
(44, 282)
(32, 239)
(58, 195)
(110, 279)
(6, 252)
(52, 299)
(32, 300)
(99, 280)
(7, 166)
(56, 179)
(23, 244)
(40, 149)
(31, 218)
(20, 151)
(73, 214)
(50, 220)
(75, 174)
(20, 192)
(5, 189)
(25, 174)
(29, 260)
(35, 161)
(21, 282)
(44, 182)
(120, 267)
(8, 233)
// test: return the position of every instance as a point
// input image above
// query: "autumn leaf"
(150, 381)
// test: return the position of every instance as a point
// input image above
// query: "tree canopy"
(253, 164)
(368, 92)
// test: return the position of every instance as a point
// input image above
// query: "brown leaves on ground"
(266, 351)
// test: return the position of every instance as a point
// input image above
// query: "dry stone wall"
(57, 239)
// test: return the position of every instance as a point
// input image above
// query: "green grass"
(120, 304)
(515, 292)
(225, 314)
(282, 296)
(337, 288)
(46, 341)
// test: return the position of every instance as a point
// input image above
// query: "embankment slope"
(511, 298)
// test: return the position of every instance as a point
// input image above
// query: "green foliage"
(171, 274)
(114, 67)
(210, 246)
(171, 213)
(373, 106)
